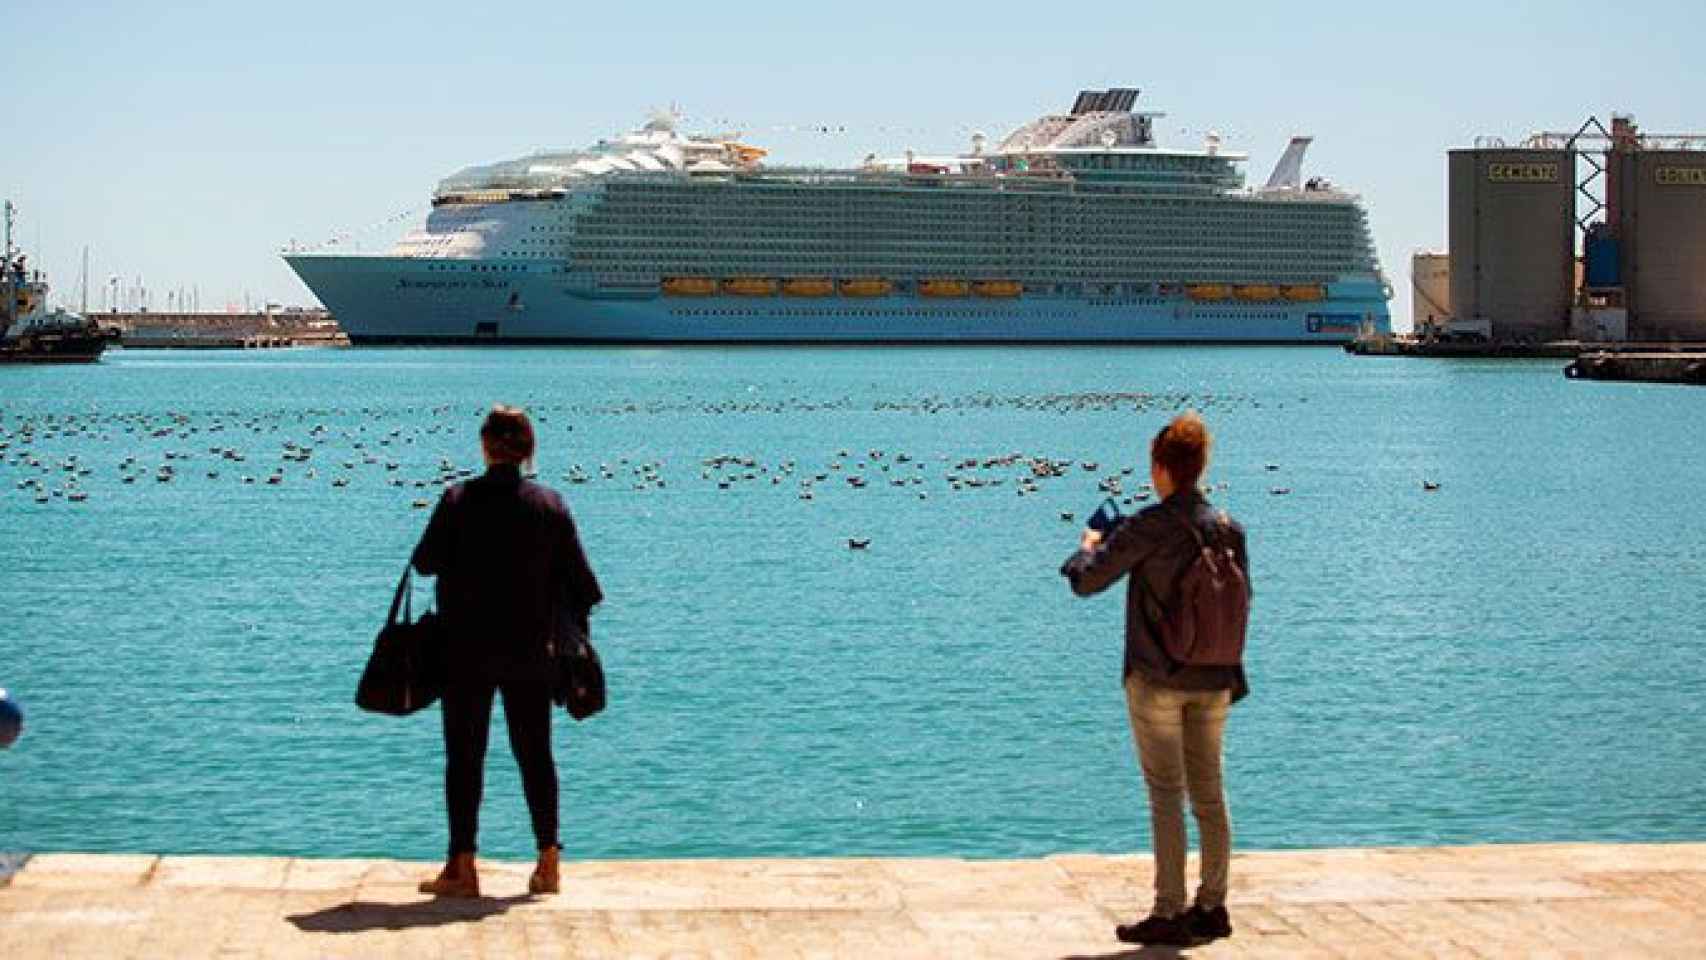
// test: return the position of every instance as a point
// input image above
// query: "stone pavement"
(1583, 900)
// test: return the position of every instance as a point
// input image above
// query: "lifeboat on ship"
(998, 288)
(866, 287)
(1257, 292)
(750, 286)
(1208, 291)
(943, 288)
(746, 154)
(808, 287)
(689, 286)
(1305, 292)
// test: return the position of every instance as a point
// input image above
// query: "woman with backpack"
(1187, 606)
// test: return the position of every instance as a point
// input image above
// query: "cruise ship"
(1077, 227)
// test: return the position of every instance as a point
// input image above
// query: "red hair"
(1181, 448)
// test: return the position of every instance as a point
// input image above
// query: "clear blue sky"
(188, 142)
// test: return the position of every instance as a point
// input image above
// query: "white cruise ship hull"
(408, 300)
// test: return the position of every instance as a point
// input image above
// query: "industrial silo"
(1662, 200)
(1430, 291)
(1512, 221)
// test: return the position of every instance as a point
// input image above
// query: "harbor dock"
(181, 340)
(253, 330)
(1389, 345)
(1645, 366)
(1588, 900)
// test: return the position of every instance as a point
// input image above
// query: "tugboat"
(32, 332)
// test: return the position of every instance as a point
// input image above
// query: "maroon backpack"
(1210, 613)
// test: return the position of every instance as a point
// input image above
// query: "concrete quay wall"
(195, 340)
(1587, 900)
(252, 322)
(274, 328)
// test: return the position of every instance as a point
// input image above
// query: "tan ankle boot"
(545, 877)
(458, 879)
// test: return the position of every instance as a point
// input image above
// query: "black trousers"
(467, 722)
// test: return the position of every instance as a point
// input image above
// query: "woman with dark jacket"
(1178, 711)
(510, 567)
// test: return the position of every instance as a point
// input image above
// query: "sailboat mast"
(83, 308)
(8, 276)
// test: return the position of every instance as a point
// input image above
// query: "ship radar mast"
(664, 119)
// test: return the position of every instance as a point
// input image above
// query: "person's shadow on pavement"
(358, 916)
(1137, 953)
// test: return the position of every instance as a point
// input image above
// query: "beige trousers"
(1178, 734)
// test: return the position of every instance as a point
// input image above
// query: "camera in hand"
(1106, 517)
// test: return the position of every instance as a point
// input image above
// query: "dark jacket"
(509, 564)
(1154, 546)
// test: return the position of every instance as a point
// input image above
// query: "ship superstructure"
(1075, 227)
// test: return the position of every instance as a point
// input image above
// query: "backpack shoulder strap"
(1190, 523)
(1222, 525)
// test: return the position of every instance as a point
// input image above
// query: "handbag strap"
(403, 599)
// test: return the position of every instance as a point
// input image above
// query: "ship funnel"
(1288, 173)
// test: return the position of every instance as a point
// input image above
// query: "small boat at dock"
(33, 332)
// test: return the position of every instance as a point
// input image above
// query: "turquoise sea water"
(1516, 656)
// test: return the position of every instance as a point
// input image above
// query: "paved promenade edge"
(1588, 900)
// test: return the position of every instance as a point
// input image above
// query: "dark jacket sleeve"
(432, 554)
(1242, 555)
(576, 574)
(1092, 571)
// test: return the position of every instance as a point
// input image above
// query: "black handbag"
(406, 671)
(578, 683)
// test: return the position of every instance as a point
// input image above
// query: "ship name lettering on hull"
(452, 284)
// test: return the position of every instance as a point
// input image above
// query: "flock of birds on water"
(344, 447)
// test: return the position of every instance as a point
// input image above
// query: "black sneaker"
(1206, 924)
(1157, 931)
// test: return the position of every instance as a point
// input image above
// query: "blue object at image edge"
(10, 864)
